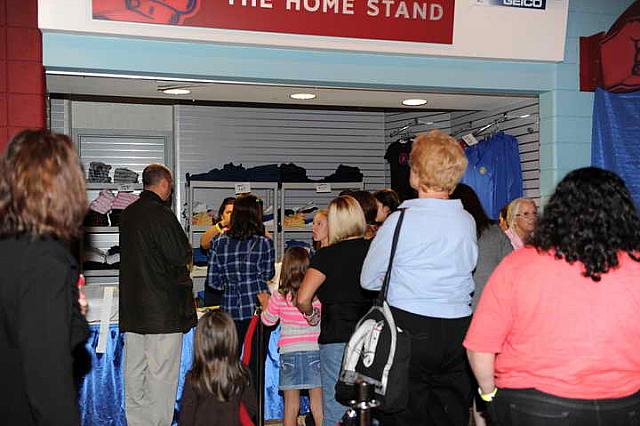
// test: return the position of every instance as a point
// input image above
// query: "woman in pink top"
(298, 344)
(554, 339)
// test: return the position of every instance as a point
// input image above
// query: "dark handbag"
(378, 352)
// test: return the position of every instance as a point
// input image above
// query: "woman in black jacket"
(42, 204)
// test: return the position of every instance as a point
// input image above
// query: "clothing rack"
(494, 124)
(403, 130)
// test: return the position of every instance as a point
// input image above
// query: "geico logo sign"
(536, 4)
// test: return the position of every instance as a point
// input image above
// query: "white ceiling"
(144, 87)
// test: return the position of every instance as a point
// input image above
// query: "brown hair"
(437, 161)
(368, 203)
(42, 186)
(216, 367)
(388, 198)
(246, 219)
(295, 263)
(154, 173)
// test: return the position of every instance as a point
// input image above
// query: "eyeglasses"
(528, 215)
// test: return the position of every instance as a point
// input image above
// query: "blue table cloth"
(101, 394)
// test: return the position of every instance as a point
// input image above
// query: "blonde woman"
(522, 215)
(320, 229)
(334, 275)
(431, 283)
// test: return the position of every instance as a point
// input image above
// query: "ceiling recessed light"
(414, 102)
(303, 96)
(176, 91)
(525, 116)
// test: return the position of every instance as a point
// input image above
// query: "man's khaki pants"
(152, 365)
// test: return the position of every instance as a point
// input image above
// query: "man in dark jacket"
(156, 300)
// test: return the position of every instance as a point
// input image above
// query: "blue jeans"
(530, 407)
(330, 361)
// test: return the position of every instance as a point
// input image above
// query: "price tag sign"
(125, 187)
(323, 187)
(469, 139)
(243, 188)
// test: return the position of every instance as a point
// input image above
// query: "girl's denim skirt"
(300, 370)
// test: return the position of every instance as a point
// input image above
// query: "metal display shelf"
(321, 193)
(231, 189)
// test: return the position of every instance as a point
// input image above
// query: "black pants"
(529, 407)
(439, 376)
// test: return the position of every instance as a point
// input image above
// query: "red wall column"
(22, 87)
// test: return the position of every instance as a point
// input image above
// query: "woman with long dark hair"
(493, 244)
(387, 201)
(554, 339)
(43, 201)
(242, 261)
(218, 382)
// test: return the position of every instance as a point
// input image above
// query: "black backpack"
(378, 352)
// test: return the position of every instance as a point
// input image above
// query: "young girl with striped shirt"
(298, 344)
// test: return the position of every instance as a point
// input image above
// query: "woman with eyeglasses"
(521, 218)
(554, 340)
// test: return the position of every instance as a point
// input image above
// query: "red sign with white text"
(423, 21)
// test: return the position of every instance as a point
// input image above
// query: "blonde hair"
(514, 210)
(437, 161)
(346, 219)
(322, 212)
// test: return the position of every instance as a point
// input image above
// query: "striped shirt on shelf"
(296, 335)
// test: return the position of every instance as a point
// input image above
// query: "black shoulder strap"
(382, 296)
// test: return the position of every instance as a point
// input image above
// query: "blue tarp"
(615, 143)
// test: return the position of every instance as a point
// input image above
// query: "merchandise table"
(101, 393)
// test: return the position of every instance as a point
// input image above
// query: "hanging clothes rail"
(404, 129)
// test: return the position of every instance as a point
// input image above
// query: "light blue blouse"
(436, 255)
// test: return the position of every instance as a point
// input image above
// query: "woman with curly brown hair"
(42, 204)
(555, 337)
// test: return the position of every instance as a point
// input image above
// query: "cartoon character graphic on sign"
(172, 12)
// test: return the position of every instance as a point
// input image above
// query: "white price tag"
(323, 187)
(125, 187)
(243, 188)
(469, 139)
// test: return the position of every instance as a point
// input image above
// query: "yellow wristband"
(488, 397)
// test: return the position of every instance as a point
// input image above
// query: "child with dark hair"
(218, 386)
(299, 351)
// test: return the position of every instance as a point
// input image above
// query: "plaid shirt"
(241, 268)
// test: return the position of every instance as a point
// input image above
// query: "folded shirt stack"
(99, 172)
(95, 259)
(123, 175)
